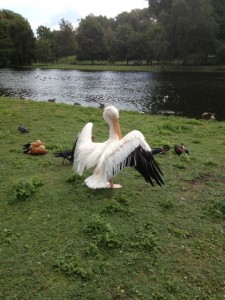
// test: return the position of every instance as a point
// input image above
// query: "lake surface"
(184, 94)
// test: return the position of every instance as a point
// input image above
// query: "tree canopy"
(16, 39)
(185, 31)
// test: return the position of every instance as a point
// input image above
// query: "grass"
(61, 240)
(122, 66)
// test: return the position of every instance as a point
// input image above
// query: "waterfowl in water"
(51, 100)
(208, 115)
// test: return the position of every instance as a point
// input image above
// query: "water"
(184, 94)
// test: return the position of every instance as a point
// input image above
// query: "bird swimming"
(208, 115)
(113, 155)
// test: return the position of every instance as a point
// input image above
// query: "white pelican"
(110, 157)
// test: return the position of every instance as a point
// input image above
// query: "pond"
(184, 94)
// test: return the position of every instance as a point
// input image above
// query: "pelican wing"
(86, 153)
(133, 151)
(145, 164)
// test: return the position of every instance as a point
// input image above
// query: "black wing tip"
(148, 167)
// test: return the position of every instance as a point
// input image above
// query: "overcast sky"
(50, 12)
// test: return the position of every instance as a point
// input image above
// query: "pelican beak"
(117, 128)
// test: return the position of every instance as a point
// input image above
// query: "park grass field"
(61, 240)
(122, 66)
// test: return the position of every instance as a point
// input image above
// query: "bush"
(25, 188)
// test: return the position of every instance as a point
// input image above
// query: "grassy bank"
(61, 240)
(131, 68)
(121, 66)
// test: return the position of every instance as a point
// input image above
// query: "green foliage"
(25, 188)
(183, 31)
(43, 51)
(118, 205)
(17, 40)
(102, 233)
(8, 237)
(216, 208)
(73, 265)
(167, 204)
(90, 40)
(76, 179)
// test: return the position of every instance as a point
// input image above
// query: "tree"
(219, 10)
(45, 33)
(91, 43)
(43, 51)
(220, 53)
(189, 29)
(121, 43)
(66, 38)
(194, 29)
(18, 39)
(5, 42)
(156, 7)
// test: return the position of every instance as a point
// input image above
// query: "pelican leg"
(113, 186)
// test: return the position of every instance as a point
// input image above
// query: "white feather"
(115, 154)
(110, 157)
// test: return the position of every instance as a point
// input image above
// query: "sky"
(49, 12)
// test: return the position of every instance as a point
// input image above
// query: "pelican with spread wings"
(110, 157)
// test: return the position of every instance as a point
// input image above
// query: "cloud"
(50, 12)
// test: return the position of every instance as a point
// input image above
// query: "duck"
(180, 149)
(35, 148)
(101, 105)
(41, 150)
(161, 150)
(51, 100)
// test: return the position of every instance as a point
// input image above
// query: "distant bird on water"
(208, 115)
(51, 100)
(180, 149)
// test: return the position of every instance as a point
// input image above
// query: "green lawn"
(61, 240)
(121, 66)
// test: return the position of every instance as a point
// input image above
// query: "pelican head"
(111, 116)
(110, 113)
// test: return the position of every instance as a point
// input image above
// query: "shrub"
(25, 188)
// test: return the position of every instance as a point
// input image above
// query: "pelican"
(110, 157)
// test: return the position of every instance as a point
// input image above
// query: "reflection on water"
(186, 94)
